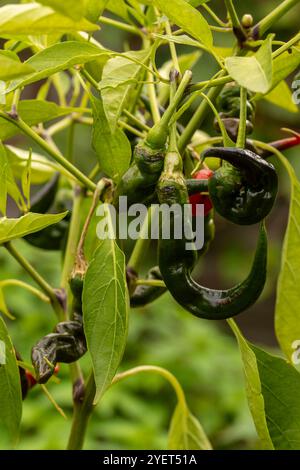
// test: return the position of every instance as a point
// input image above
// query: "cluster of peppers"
(242, 190)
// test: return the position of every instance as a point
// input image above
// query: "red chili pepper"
(30, 379)
(199, 198)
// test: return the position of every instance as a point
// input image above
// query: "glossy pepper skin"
(176, 265)
(244, 191)
(52, 238)
(144, 295)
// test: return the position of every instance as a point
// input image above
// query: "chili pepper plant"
(146, 117)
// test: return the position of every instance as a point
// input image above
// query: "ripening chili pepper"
(244, 188)
(199, 198)
(176, 263)
(144, 294)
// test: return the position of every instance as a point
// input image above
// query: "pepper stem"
(158, 135)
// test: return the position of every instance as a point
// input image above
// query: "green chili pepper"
(228, 104)
(144, 294)
(53, 237)
(66, 344)
(139, 181)
(244, 191)
(176, 263)
(42, 201)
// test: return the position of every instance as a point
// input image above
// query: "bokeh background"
(203, 355)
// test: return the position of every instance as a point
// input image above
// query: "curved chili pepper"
(244, 191)
(144, 294)
(53, 237)
(176, 263)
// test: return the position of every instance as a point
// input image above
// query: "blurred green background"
(203, 355)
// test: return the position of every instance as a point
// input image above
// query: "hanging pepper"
(49, 198)
(244, 189)
(144, 294)
(139, 181)
(66, 344)
(229, 104)
(176, 263)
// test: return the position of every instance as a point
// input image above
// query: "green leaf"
(285, 64)
(42, 169)
(32, 112)
(10, 391)
(253, 72)
(282, 96)
(253, 388)
(11, 67)
(105, 312)
(74, 9)
(119, 83)
(186, 433)
(11, 229)
(94, 9)
(280, 384)
(187, 18)
(112, 147)
(119, 8)
(61, 56)
(7, 182)
(287, 311)
(34, 19)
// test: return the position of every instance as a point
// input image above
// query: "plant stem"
(49, 291)
(172, 48)
(241, 139)
(286, 46)
(81, 415)
(156, 370)
(122, 26)
(131, 129)
(82, 178)
(171, 109)
(153, 101)
(148, 282)
(198, 118)
(136, 121)
(211, 83)
(237, 27)
(214, 16)
(140, 247)
(263, 25)
(73, 237)
(28, 287)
